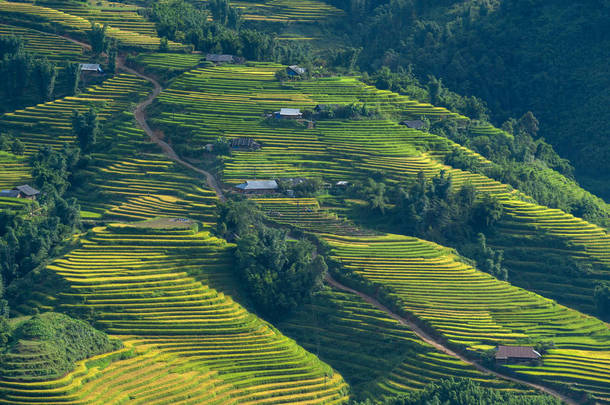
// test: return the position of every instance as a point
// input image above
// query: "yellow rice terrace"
(310, 202)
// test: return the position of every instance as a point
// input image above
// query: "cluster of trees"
(11, 144)
(462, 391)
(181, 21)
(353, 111)
(279, 274)
(602, 300)
(301, 187)
(27, 241)
(27, 73)
(33, 79)
(403, 80)
(86, 128)
(55, 343)
(431, 209)
(526, 162)
(478, 49)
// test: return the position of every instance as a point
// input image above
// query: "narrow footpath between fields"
(213, 183)
(141, 119)
(430, 340)
(167, 149)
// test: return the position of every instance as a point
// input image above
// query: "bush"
(49, 344)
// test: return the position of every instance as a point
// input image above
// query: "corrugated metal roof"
(94, 67)
(518, 352)
(258, 185)
(213, 57)
(27, 190)
(297, 69)
(290, 111)
(415, 124)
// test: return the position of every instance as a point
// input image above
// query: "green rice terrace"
(132, 266)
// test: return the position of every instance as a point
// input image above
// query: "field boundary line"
(439, 346)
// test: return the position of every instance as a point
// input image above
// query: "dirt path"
(141, 119)
(167, 149)
(82, 44)
(430, 340)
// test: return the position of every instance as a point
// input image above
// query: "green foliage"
(466, 391)
(86, 128)
(17, 147)
(223, 13)
(431, 209)
(221, 147)
(487, 259)
(237, 218)
(26, 243)
(73, 71)
(301, 187)
(49, 344)
(164, 45)
(181, 21)
(30, 75)
(278, 274)
(45, 74)
(602, 300)
(98, 39)
(477, 48)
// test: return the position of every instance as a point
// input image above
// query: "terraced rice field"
(169, 61)
(139, 374)
(40, 43)
(472, 309)
(51, 19)
(305, 213)
(115, 14)
(144, 285)
(14, 171)
(303, 11)
(376, 354)
(50, 124)
(231, 100)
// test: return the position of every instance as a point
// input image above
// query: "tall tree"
(45, 74)
(73, 70)
(97, 38)
(86, 128)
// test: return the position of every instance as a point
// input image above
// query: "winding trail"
(439, 346)
(167, 149)
(213, 183)
(141, 119)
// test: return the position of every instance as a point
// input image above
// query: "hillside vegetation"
(386, 268)
(517, 56)
(47, 346)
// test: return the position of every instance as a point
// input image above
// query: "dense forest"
(517, 56)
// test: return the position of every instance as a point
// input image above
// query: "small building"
(295, 70)
(289, 113)
(342, 183)
(415, 124)
(90, 68)
(257, 186)
(223, 58)
(244, 143)
(24, 191)
(516, 354)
